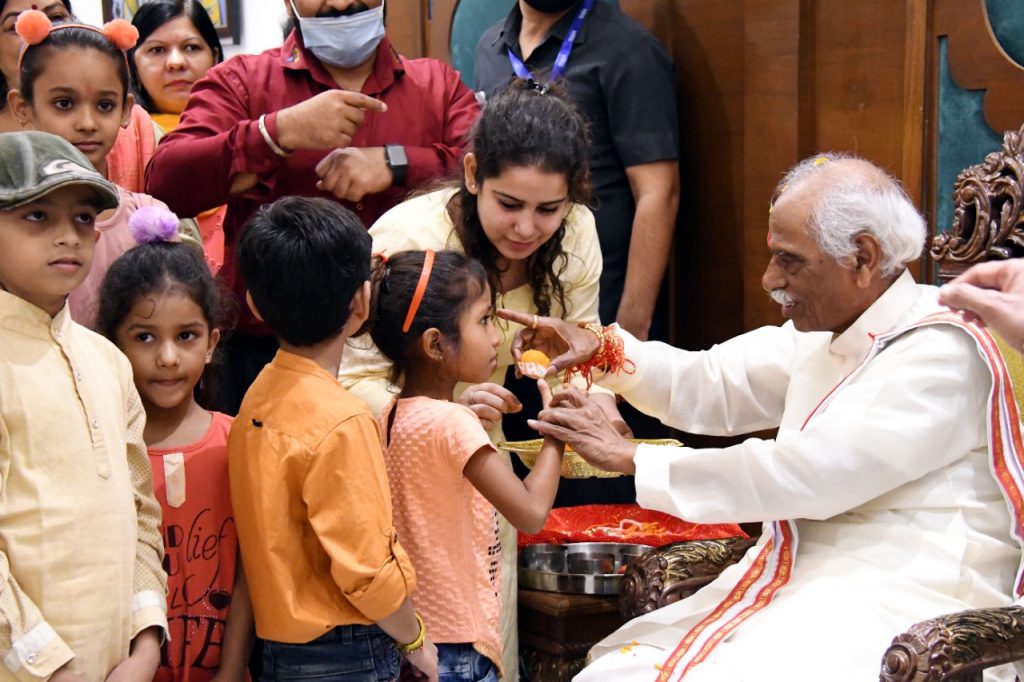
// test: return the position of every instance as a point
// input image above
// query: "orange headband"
(421, 288)
(34, 27)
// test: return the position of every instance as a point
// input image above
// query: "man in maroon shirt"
(334, 112)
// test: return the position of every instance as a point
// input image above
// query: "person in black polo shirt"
(624, 81)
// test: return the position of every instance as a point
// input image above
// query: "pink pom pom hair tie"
(154, 224)
(33, 27)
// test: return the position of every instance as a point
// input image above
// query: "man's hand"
(325, 121)
(564, 342)
(142, 663)
(351, 173)
(490, 402)
(994, 293)
(64, 674)
(578, 422)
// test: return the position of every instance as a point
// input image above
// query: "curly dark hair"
(526, 125)
(156, 268)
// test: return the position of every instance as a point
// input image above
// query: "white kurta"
(899, 518)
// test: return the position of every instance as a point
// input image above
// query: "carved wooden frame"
(987, 221)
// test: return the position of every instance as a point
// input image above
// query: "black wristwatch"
(398, 162)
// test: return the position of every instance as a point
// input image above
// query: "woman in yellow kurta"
(520, 210)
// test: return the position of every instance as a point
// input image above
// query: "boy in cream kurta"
(82, 588)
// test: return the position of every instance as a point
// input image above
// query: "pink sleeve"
(134, 147)
(462, 435)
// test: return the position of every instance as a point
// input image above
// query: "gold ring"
(533, 325)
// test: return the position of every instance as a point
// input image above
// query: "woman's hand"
(565, 343)
(579, 422)
(490, 402)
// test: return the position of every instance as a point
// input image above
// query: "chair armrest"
(670, 573)
(955, 646)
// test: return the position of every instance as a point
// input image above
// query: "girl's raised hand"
(489, 402)
(565, 343)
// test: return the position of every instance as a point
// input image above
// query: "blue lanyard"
(558, 70)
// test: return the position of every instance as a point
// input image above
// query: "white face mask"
(344, 42)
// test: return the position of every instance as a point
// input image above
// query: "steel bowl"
(577, 568)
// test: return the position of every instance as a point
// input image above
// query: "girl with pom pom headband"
(77, 69)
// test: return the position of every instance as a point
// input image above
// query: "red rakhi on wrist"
(609, 358)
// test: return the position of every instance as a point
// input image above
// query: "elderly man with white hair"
(890, 491)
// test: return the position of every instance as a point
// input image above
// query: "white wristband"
(269, 140)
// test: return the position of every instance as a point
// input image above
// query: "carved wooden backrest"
(988, 225)
(987, 219)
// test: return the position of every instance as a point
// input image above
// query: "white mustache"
(781, 297)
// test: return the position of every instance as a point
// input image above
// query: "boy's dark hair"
(455, 282)
(303, 260)
(154, 14)
(5, 87)
(165, 267)
(527, 125)
(34, 59)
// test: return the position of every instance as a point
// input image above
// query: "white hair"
(858, 199)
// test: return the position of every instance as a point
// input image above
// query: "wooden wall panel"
(705, 276)
(405, 22)
(771, 131)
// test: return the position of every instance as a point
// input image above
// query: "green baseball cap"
(33, 164)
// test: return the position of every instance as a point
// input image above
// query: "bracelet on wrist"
(274, 146)
(610, 356)
(416, 644)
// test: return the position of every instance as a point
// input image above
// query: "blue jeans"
(463, 663)
(348, 653)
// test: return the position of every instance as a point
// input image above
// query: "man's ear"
(867, 259)
(431, 344)
(252, 306)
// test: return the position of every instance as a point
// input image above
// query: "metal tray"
(577, 568)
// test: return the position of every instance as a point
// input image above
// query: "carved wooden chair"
(988, 224)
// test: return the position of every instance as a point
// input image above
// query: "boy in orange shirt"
(329, 582)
